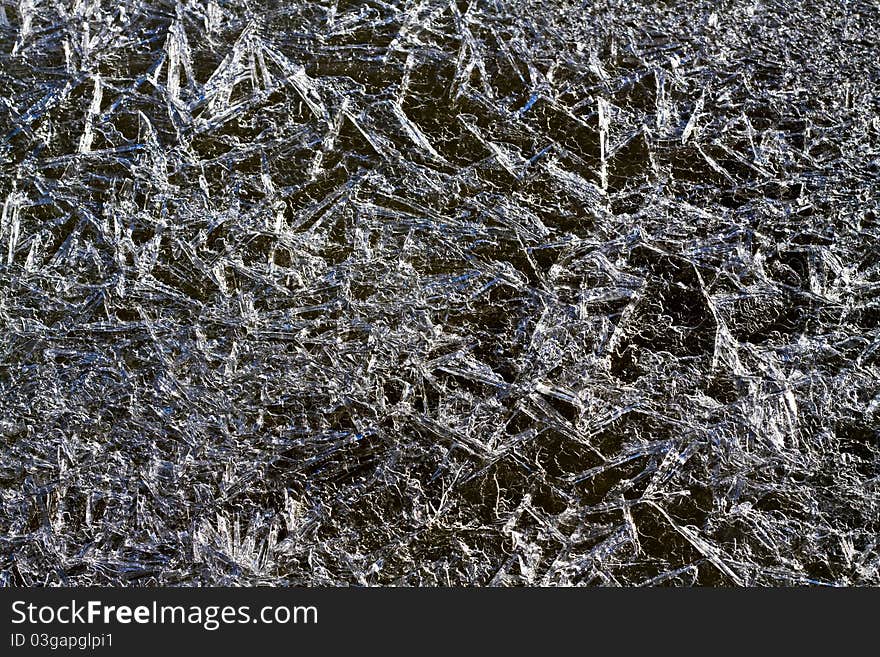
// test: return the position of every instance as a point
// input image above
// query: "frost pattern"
(439, 292)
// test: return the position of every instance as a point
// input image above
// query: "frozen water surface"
(431, 292)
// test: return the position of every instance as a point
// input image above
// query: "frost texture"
(431, 292)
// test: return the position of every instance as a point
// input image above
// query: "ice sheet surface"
(431, 292)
